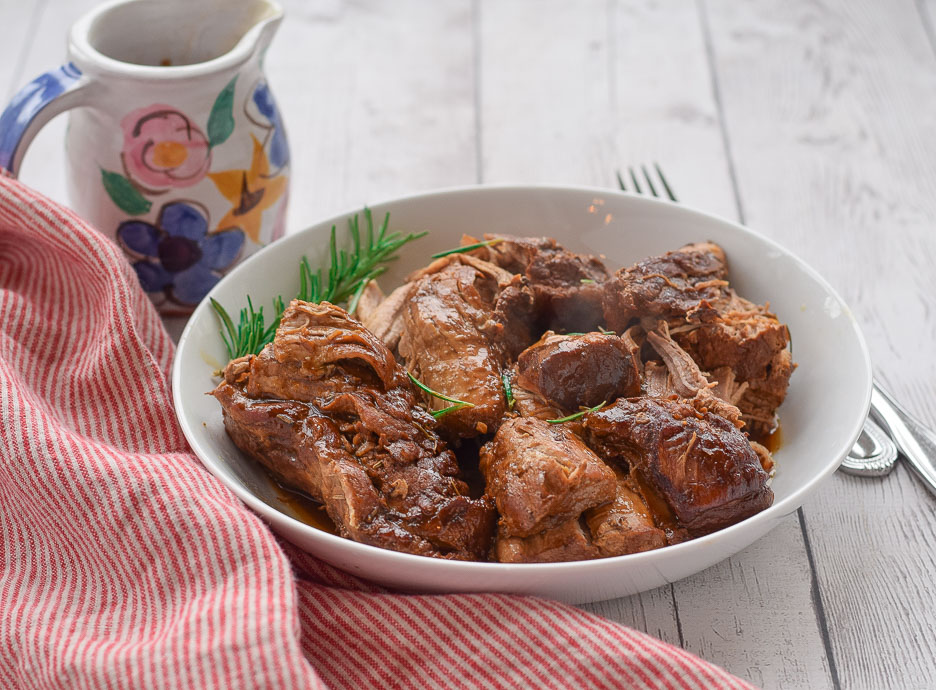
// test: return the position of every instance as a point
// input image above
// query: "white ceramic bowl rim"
(779, 509)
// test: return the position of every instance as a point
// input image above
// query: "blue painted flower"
(178, 256)
(278, 152)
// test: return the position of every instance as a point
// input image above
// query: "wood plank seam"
(613, 104)
(818, 606)
(927, 22)
(716, 95)
(679, 630)
(476, 64)
(19, 67)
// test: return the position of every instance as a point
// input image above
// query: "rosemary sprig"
(459, 404)
(251, 333)
(508, 390)
(577, 414)
(468, 247)
(349, 272)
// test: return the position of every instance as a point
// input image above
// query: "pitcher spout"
(181, 37)
(267, 17)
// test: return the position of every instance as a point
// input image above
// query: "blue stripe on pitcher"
(27, 103)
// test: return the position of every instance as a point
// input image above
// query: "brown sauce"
(773, 440)
(304, 508)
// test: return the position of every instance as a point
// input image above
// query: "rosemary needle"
(459, 404)
(602, 330)
(468, 247)
(445, 410)
(508, 390)
(577, 414)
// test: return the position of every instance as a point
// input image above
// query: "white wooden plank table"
(813, 121)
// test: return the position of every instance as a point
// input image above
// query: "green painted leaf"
(221, 120)
(124, 194)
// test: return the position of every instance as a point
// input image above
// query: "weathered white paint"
(379, 99)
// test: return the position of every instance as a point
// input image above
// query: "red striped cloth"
(125, 564)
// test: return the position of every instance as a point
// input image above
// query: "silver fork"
(875, 452)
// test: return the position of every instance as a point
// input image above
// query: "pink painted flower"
(163, 149)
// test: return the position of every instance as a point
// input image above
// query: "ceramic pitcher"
(175, 147)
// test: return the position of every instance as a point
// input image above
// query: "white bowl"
(821, 418)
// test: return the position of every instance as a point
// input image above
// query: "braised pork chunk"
(700, 463)
(568, 541)
(456, 324)
(688, 290)
(446, 342)
(681, 283)
(626, 524)
(568, 287)
(580, 371)
(354, 437)
(541, 475)
(558, 501)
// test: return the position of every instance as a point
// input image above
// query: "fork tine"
(648, 180)
(669, 191)
(634, 180)
(647, 177)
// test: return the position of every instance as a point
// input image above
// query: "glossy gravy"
(773, 440)
(304, 508)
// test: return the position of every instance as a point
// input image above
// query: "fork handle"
(915, 440)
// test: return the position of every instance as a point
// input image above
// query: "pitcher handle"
(33, 106)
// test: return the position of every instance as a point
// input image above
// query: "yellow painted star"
(250, 191)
